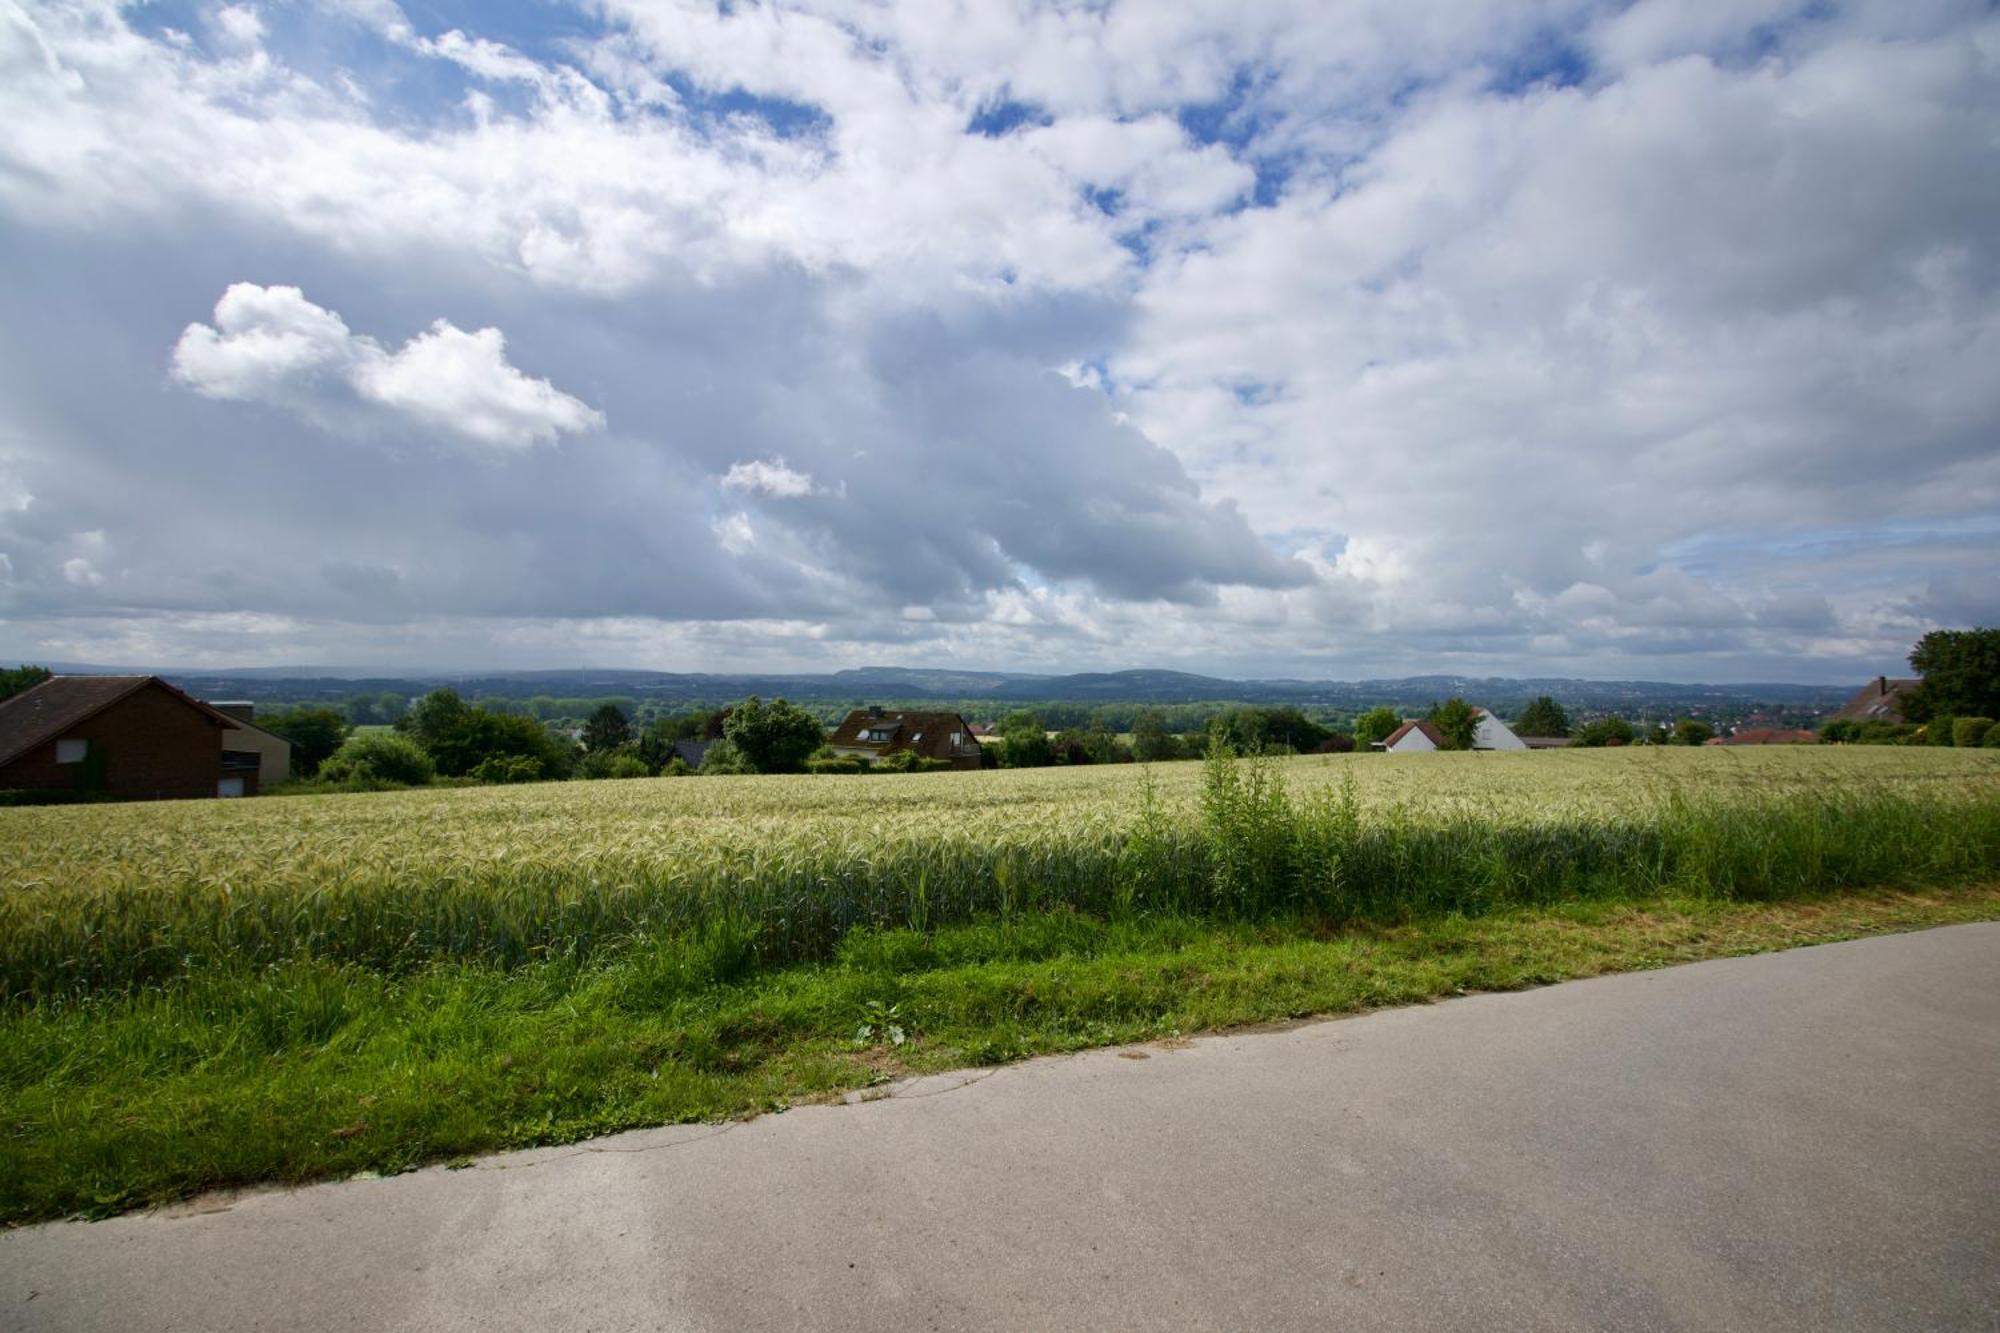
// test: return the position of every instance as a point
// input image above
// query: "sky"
(1311, 338)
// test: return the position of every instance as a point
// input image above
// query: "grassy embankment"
(199, 995)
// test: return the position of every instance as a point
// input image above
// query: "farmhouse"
(132, 738)
(1415, 737)
(871, 733)
(1880, 700)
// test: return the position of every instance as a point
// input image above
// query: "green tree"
(459, 737)
(315, 734)
(24, 677)
(1456, 722)
(775, 737)
(1025, 742)
(1375, 725)
(1839, 731)
(606, 729)
(1151, 740)
(1690, 731)
(1961, 675)
(1543, 717)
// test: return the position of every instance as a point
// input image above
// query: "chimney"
(1882, 685)
(874, 710)
(243, 710)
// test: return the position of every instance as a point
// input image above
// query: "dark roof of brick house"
(1880, 700)
(1437, 737)
(42, 714)
(929, 734)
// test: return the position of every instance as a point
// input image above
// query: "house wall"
(153, 747)
(274, 753)
(1413, 742)
(1493, 734)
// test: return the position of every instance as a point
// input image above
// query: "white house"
(1416, 737)
(1493, 734)
(1413, 738)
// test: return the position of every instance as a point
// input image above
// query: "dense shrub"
(378, 757)
(909, 761)
(1970, 731)
(1604, 731)
(1939, 731)
(836, 764)
(502, 770)
(1992, 741)
(625, 763)
(723, 758)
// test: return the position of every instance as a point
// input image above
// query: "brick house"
(133, 738)
(870, 733)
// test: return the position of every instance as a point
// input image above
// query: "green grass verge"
(317, 1068)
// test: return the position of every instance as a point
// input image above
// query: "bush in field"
(724, 758)
(1939, 730)
(379, 757)
(1604, 731)
(909, 761)
(1968, 732)
(773, 737)
(1839, 731)
(505, 769)
(625, 763)
(1025, 742)
(1992, 741)
(834, 763)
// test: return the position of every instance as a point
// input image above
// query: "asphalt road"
(1806, 1140)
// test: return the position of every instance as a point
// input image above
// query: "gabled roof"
(42, 714)
(1436, 736)
(929, 734)
(1881, 699)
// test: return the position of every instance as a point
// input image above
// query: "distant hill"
(1504, 694)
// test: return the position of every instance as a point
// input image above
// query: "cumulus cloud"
(1542, 334)
(271, 344)
(761, 477)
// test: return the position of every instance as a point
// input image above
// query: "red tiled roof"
(1436, 736)
(37, 716)
(929, 734)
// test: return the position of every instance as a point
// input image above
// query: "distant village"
(139, 737)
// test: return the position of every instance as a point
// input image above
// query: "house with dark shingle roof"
(131, 738)
(871, 734)
(1880, 700)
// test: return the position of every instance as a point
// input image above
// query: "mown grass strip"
(316, 1068)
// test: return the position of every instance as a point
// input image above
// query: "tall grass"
(1244, 843)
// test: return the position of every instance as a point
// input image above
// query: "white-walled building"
(1417, 737)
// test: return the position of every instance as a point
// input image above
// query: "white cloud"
(1533, 331)
(271, 344)
(82, 573)
(761, 477)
